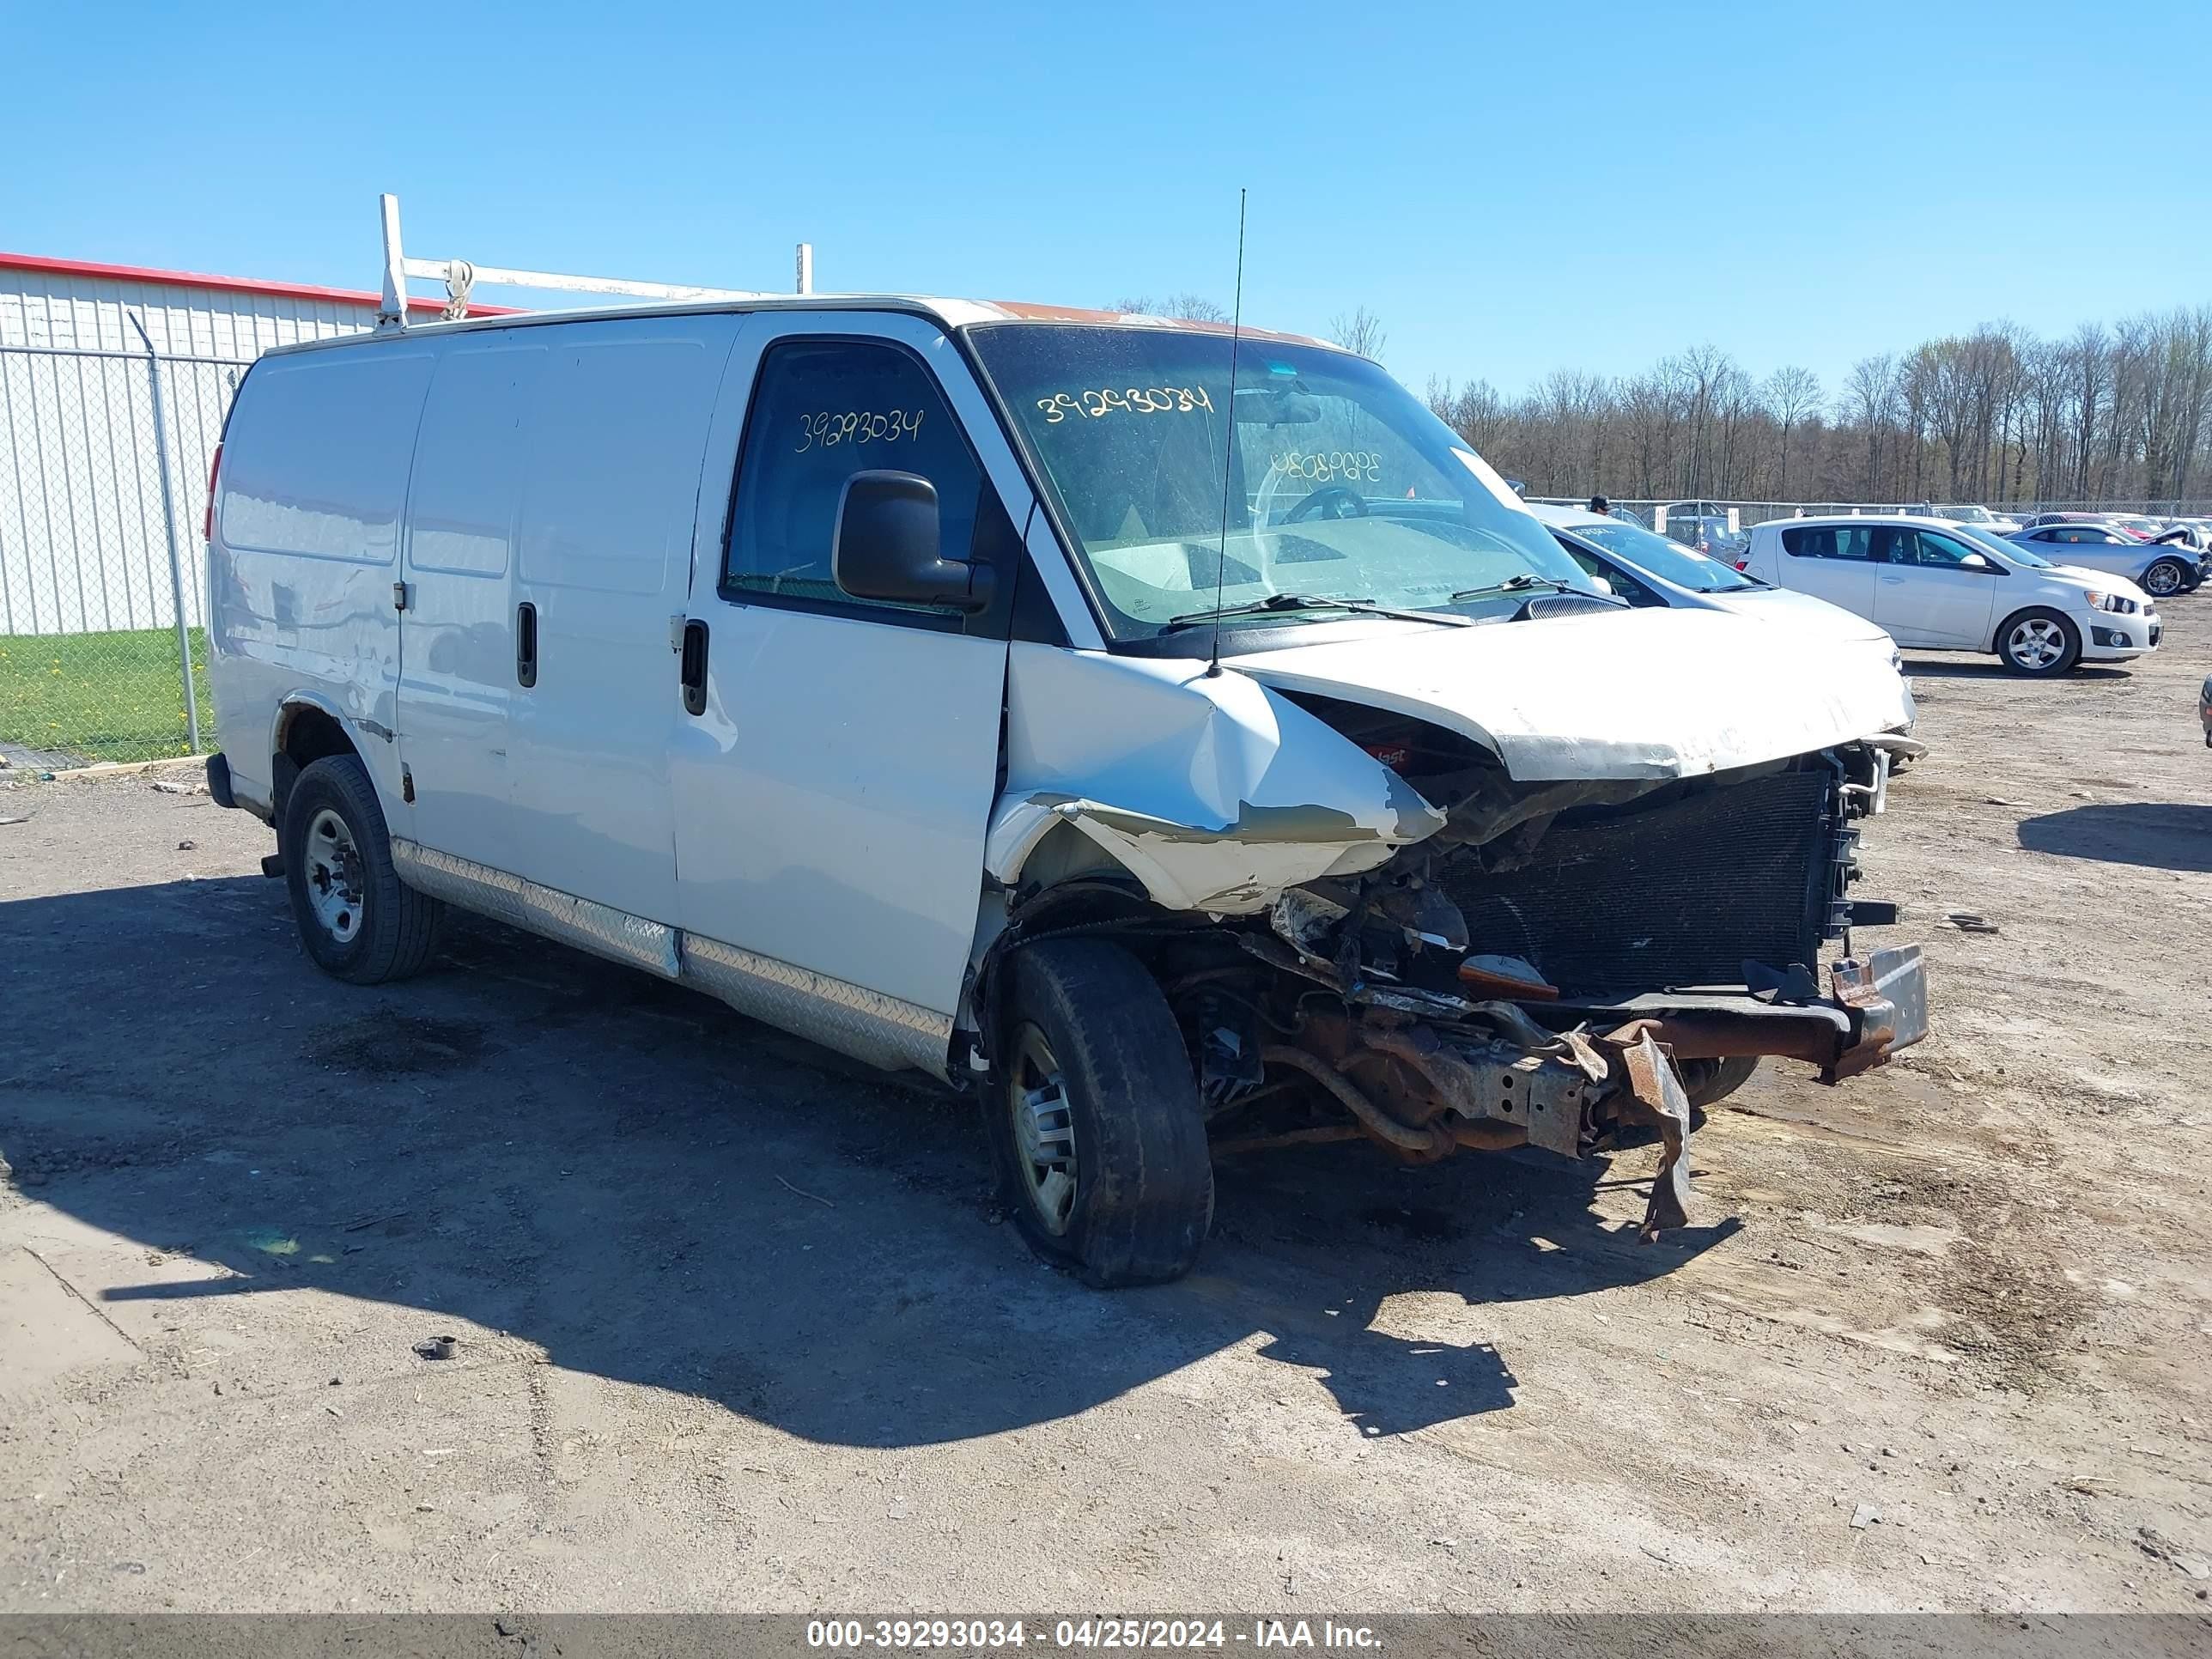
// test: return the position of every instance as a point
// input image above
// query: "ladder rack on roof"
(460, 276)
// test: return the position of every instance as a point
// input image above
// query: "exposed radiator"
(1622, 900)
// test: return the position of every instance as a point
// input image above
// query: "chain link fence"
(104, 460)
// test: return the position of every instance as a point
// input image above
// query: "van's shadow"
(659, 1191)
(2156, 834)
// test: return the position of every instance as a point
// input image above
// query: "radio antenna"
(1228, 442)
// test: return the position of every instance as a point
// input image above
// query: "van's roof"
(951, 314)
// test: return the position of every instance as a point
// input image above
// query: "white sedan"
(1946, 586)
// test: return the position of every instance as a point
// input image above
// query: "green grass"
(75, 698)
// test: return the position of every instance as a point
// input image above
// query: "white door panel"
(314, 491)
(1924, 596)
(1845, 582)
(1833, 562)
(1896, 607)
(458, 683)
(1946, 610)
(616, 444)
(833, 800)
(833, 797)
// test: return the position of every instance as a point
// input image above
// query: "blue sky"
(1585, 186)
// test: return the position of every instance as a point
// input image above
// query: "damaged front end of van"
(1390, 895)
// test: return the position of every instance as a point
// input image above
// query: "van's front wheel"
(356, 918)
(1094, 1117)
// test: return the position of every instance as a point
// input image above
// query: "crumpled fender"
(1215, 792)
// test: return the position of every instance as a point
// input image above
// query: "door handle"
(694, 670)
(1893, 581)
(526, 644)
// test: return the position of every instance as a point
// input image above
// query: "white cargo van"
(1171, 738)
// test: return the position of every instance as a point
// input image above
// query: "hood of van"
(1626, 694)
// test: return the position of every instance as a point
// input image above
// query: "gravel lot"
(738, 1328)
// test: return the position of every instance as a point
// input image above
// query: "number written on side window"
(830, 428)
(1099, 402)
(823, 410)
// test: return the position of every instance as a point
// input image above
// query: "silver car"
(2162, 570)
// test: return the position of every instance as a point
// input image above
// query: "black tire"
(1708, 1082)
(2164, 578)
(1090, 1056)
(2009, 642)
(393, 927)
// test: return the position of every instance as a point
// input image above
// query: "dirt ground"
(738, 1327)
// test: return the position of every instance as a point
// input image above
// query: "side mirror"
(884, 546)
(1977, 562)
(1601, 584)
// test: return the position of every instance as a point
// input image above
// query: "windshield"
(2018, 552)
(1340, 484)
(1663, 557)
(1967, 514)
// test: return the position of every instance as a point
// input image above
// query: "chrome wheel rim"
(2161, 580)
(2036, 643)
(333, 875)
(1044, 1128)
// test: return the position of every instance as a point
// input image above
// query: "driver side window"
(822, 410)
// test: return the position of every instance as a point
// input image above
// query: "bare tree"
(1195, 309)
(1871, 404)
(1358, 330)
(2118, 414)
(1792, 393)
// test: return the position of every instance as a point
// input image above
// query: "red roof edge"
(346, 296)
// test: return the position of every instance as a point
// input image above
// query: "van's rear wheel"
(356, 918)
(1094, 1117)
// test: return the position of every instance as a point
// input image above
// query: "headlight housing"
(2117, 604)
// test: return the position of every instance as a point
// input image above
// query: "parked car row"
(2162, 567)
(1980, 517)
(1902, 579)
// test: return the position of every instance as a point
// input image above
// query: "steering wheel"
(1330, 502)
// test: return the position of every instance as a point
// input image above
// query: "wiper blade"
(1515, 585)
(1310, 602)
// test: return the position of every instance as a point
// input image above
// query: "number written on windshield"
(1099, 402)
(1327, 466)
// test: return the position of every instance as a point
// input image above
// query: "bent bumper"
(1875, 1008)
